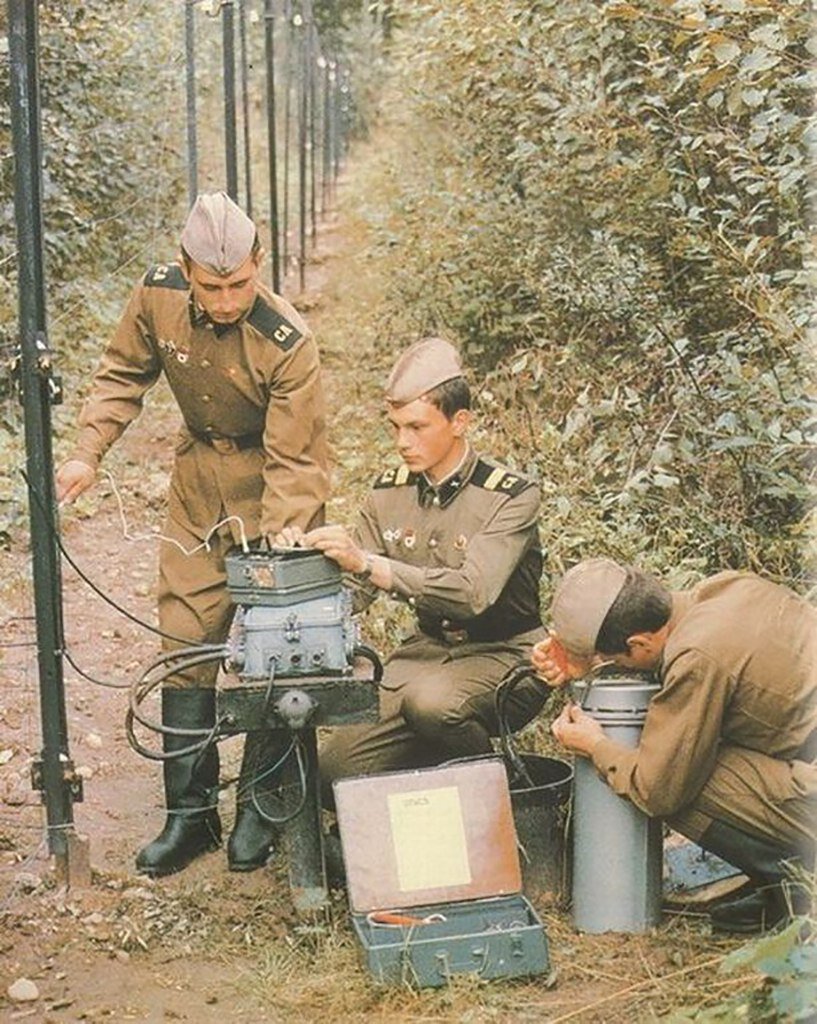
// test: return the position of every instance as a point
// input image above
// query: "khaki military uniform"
(732, 734)
(465, 556)
(252, 446)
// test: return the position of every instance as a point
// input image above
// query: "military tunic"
(465, 556)
(253, 441)
(732, 734)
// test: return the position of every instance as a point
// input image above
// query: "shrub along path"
(206, 945)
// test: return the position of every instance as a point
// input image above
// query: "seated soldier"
(727, 753)
(455, 536)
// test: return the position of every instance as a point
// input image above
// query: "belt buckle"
(451, 634)
(224, 445)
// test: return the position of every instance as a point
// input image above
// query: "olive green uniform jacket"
(465, 557)
(252, 447)
(732, 734)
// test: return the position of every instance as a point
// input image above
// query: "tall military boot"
(253, 838)
(774, 897)
(191, 787)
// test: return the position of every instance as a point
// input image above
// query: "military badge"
(409, 538)
(461, 543)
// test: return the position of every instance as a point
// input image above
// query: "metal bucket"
(617, 850)
(540, 813)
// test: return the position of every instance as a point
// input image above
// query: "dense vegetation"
(604, 203)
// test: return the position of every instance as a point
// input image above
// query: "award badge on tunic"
(461, 543)
(409, 538)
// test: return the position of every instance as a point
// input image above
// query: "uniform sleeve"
(679, 742)
(493, 554)
(296, 477)
(129, 367)
(366, 535)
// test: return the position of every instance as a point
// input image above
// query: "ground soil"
(206, 945)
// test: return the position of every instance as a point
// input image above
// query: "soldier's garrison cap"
(583, 598)
(218, 235)
(422, 367)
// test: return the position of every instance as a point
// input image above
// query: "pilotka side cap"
(583, 597)
(218, 235)
(421, 368)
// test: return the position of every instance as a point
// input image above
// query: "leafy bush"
(604, 204)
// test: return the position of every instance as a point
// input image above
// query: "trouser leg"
(758, 813)
(437, 704)
(194, 608)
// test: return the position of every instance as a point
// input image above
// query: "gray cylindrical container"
(617, 850)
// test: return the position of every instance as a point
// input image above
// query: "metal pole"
(303, 97)
(272, 147)
(54, 773)
(327, 136)
(288, 18)
(245, 105)
(311, 57)
(230, 141)
(190, 66)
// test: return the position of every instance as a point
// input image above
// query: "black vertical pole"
(190, 66)
(230, 140)
(272, 145)
(54, 774)
(312, 142)
(245, 105)
(303, 96)
(327, 135)
(288, 21)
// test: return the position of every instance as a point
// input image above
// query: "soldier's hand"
(549, 660)
(577, 731)
(73, 477)
(336, 544)
(289, 537)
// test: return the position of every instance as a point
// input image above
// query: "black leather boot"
(774, 898)
(191, 787)
(253, 839)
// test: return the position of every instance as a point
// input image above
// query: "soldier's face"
(225, 299)
(427, 441)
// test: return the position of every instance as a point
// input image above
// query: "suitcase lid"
(432, 835)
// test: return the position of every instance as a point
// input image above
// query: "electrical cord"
(97, 590)
(502, 695)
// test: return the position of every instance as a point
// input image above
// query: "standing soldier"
(250, 460)
(454, 536)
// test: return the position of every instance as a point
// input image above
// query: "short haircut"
(450, 396)
(643, 605)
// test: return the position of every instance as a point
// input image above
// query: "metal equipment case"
(433, 875)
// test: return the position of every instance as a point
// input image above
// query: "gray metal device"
(294, 647)
(294, 617)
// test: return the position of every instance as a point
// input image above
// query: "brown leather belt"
(451, 632)
(228, 445)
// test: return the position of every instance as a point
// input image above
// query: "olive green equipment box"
(433, 875)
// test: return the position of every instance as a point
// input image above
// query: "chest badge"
(392, 536)
(409, 538)
(182, 355)
(461, 543)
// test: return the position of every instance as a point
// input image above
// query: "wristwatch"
(365, 573)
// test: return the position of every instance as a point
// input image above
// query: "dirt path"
(206, 945)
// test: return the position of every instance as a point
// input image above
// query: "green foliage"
(787, 990)
(605, 205)
(111, 93)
